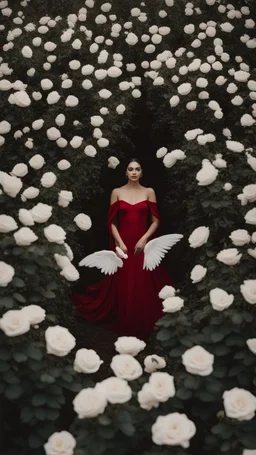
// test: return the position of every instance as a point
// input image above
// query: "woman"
(127, 302)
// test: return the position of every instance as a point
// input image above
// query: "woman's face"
(133, 171)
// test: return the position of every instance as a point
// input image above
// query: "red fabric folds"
(127, 302)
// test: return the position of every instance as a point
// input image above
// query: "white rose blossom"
(30, 193)
(239, 404)
(55, 233)
(248, 290)
(6, 274)
(64, 198)
(90, 402)
(198, 361)
(83, 221)
(199, 236)
(198, 273)
(60, 443)
(240, 237)
(129, 345)
(14, 323)
(126, 367)
(172, 304)
(11, 184)
(229, 256)
(166, 291)
(116, 390)
(87, 361)
(207, 174)
(251, 343)
(70, 272)
(25, 236)
(250, 216)
(25, 217)
(154, 362)
(7, 223)
(59, 341)
(173, 429)
(41, 212)
(220, 299)
(146, 398)
(162, 386)
(34, 313)
(48, 179)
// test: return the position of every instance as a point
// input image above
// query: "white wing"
(156, 249)
(105, 260)
(121, 253)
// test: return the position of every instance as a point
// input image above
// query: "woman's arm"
(155, 222)
(118, 241)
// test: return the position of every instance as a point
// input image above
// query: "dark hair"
(131, 160)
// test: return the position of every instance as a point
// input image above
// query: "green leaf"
(104, 420)
(19, 356)
(26, 414)
(4, 354)
(106, 433)
(45, 377)
(163, 335)
(192, 382)
(6, 302)
(177, 352)
(127, 428)
(49, 294)
(13, 391)
(34, 353)
(34, 441)
(38, 399)
(217, 336)
(19, 297)
(18, 282)
(183, 394)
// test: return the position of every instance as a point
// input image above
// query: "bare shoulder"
(151, 194)
(114, 195)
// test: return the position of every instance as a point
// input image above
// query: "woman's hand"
(123, 247)
(140, 245)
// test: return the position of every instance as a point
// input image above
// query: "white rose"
(30, 193)
(11, 184)
(199, 236)
(20, 170)
(96, 120)
(83, 221)
(60, 443)
(25, 236)
(198, 273)
(6, 274)
(70, 272)
(146, 398)
(53, 133)
(70, 254)
(250, 217)
(172, 304)
(198, 361)
(116, 390)
(240, 237)
(250, 192)
(227, 187)
(162, 386)
(34, 313)
(37, 161)
(153, 363)
(207, 174)
(249, 452)
(169, 160)
(41, 212)
(173, 429)
(251, 343)
(129, 345)
(55, 233)
(126, 367)
(7, 223)
(90, 402)
(61, 260)
(254, 237)
(59, 341)
(48, 179)
(166, 291)
(229, 256)
(239, 404)
(248, 290)
(87, 361)
(25, 217)
(252, 252)
(220, 299)
(63, 165)
(65, 197)
(14, 323)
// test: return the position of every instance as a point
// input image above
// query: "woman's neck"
(133, 185)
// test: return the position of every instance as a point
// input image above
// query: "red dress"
(127, 302)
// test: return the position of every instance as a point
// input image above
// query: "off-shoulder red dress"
(127, 302)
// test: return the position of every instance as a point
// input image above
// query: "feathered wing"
(105, 260)
(156, 249)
